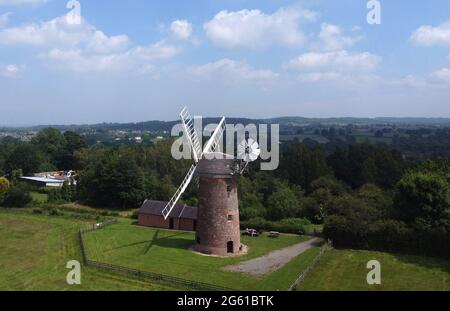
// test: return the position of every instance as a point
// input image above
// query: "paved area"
(274, 260)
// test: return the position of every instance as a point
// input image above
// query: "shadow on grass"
(166, 242)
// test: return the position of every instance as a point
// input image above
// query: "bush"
(18, 196)
(4, 188)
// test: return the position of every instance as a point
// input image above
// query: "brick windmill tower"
(218, 228)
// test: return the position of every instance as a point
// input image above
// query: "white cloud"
(22, 2)
(319, 76)
(58, 33)
(336, 61)
(138, 59)
(325, 66)
(10, 71)
(182, 29)
(429, 35)
(232, 70)
(438, 78)
(332, 39)
(255, 29)
(4, 19)
(83, 48)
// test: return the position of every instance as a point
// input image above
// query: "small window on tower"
(229, 188)
(230, 217)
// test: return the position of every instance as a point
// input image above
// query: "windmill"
(218, 228)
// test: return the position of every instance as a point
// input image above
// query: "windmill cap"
(217, 167)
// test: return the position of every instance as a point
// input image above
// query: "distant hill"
(283, 121)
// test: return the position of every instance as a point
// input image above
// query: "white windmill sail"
(181, 189)
(189, 129)
(213, 143)
(191, 134)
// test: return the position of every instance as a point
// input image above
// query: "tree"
(25, 157)
(250, 205)
(4, 187)
(49, 140)
(74, 141)
(301, 165)
(423, 198)
(114, 181)
(283, 203)
(18, 196)
(366, 163)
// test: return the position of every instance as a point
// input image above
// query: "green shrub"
(18, 196)
(4, 188)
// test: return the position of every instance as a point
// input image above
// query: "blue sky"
(144, 60)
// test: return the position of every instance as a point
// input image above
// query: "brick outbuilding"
(183, 217)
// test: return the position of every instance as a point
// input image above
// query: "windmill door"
(230, 247)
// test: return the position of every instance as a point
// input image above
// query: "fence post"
(310, 266)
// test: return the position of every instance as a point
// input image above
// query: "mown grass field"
(167, 252)
(346, 270)
(35, 249)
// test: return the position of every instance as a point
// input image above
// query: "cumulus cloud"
(182, 29)
(10, 71)
(437, 78)
(83, 48)
(22, 2)
(255, 29)
(331, 38)
(135, 59)
(58, 33)
(440, 76)
(429, 35)
(337, 60)
(232, 70)
(320, 66)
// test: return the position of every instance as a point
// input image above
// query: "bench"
(274, 234)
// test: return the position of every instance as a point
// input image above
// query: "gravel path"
(274, 260)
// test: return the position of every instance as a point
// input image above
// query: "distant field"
(34, 251)
(346, 270)
(168, 252)
(301, 137)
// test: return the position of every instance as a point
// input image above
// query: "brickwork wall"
(214, 227)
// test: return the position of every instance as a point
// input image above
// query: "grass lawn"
(39, 197)
(168, 252)
(34, 250)
(346, 270)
